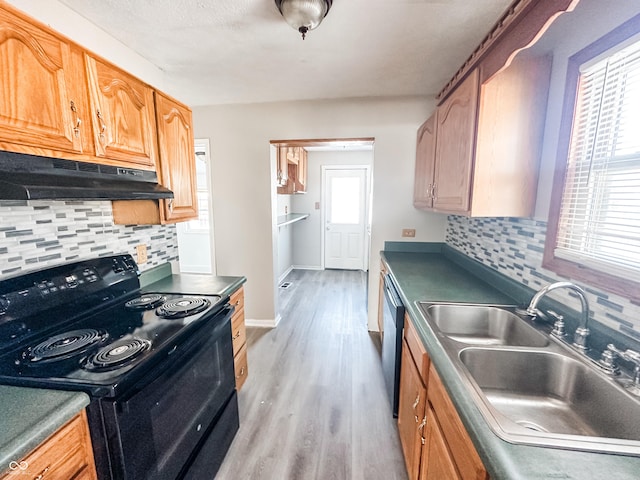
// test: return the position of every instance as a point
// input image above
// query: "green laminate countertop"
(435, 277)
(196, 284)
(28, 416)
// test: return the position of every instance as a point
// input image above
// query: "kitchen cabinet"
(66, 454)
(239, 338)
(176, 170)
(43, 108)
(425, 164)
(478, 154)
(122, 115)
(291, 170)
(413, 399)
(434, 441)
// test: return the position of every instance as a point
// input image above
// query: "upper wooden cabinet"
(122, 115)
(455, 130)
(176, 171)
(291, 170)
(177, 159)
(425, 164)
(488, 141)
(42, 100)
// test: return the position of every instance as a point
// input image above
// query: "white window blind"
(599, 224)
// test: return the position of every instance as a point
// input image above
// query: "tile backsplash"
(514, 247)
(41, 234)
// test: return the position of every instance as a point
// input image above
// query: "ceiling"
(242, 51)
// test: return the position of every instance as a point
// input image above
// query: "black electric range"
(157, 366)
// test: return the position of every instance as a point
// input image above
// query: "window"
(594, 229)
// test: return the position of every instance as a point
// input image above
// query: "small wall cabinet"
(291, 170)
(67, 454)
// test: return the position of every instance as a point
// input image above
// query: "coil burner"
(183, 307)
(65, 345)
(145, 302)
(117, 354)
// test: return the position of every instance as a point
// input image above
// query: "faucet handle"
(608, 360)
(558, 325)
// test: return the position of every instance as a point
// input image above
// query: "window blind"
(599, 223)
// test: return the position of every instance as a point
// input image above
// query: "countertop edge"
(49, 420)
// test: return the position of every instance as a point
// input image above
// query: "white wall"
(285, 237)
(589, 21)
(307, 234)
(244, 179)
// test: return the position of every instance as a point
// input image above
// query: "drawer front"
(237, 299)
(416, 348)
(241, 367)
(238, 331)
(65, 455)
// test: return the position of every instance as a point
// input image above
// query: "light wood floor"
(314, 405)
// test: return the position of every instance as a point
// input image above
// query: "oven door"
(155, 431)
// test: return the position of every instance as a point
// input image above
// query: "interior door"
(345, 218)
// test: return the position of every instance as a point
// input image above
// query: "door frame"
(366, 237)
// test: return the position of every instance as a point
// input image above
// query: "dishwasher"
(393, 325)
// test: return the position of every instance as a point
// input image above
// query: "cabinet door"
(40, 104)
(456, 128)
(301, 178)
(411, 412)
(177, 159)
(437, 463)
(425, 164)
(122, 116)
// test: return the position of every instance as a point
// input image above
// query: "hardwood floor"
(314, 405)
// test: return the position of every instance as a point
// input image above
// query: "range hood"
(28, 177)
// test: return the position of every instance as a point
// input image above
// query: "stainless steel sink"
(530, 387)
(482, 325)
(540, 393)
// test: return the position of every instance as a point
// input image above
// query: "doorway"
(345, 216)
(195, 237)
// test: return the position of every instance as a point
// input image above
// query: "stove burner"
(182, 307)
(145, 302)
(117, 353)
(66, 345)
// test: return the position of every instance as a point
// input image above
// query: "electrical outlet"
(141, 253)
(317, 205)
(408, 232)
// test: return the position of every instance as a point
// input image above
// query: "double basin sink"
(530, 387)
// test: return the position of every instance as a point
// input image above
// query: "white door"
(345, 218)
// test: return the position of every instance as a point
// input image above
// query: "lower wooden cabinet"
(434, 441)
(239, 338)
(66, 455)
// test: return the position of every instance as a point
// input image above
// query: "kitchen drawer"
(237, 299)
(238, 331)
(66, 455)
(241, 367)
(416, 348)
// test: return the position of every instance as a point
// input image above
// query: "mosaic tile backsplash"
(514, 247)
(41, 234)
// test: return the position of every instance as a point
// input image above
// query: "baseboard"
(265, 323)
(284, 275)
(307, 267)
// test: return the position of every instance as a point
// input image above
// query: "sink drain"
(531, 426)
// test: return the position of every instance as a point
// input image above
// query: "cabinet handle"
(237, 303)
(171, 205)
(422, 424)
(103, 126)
(236, 335)
(76, 128)
(41, 474)
(415, 404)
(241, 373)
(433, 191)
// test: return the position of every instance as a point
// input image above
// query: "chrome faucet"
(582, 332)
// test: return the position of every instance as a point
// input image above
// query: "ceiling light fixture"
(304, 15)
